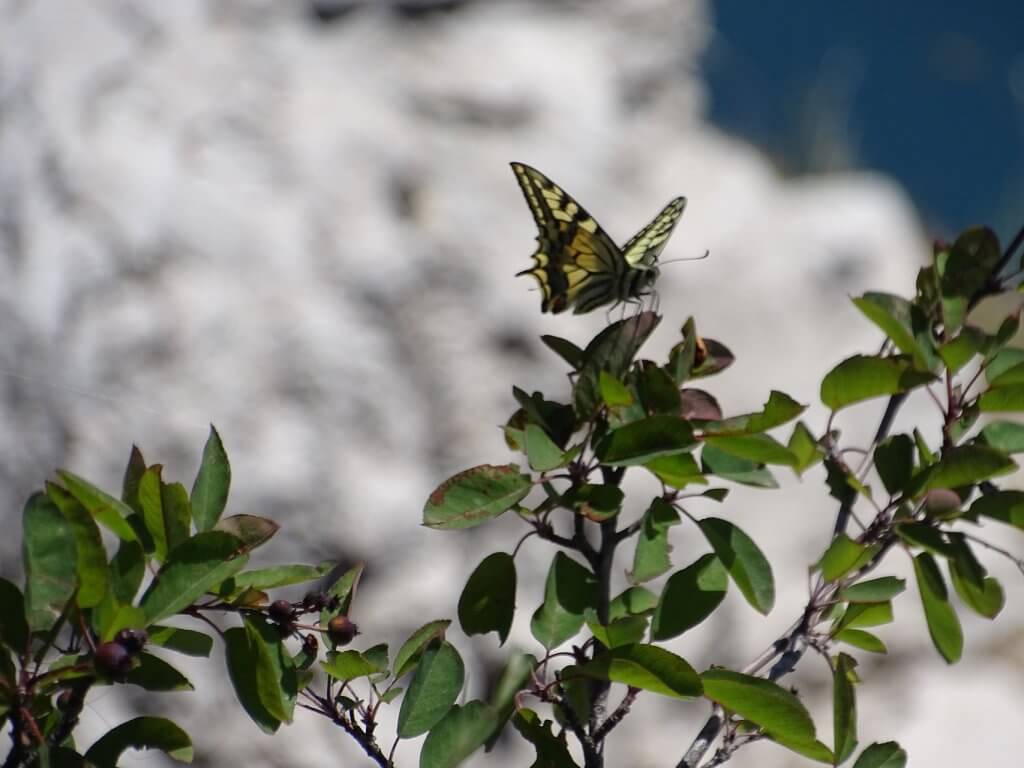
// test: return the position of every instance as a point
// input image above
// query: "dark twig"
(616, 717)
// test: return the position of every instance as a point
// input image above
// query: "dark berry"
(280, 611)
(113, 660)
(133, 640)
(341, 630)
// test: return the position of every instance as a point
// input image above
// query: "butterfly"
(577, 264)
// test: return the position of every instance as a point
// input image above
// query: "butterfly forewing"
(576, 263)
(646, 246)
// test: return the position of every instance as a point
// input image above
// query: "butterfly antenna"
(688, 258)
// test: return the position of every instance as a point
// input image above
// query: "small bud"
(64, 700)
(341, 630)
(113, 660)
(941, 502)
(280, 611)
(310, 645)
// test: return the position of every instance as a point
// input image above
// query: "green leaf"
(812, 750)
(155, 674)
(251, 530)
(108, 511)
(13, 626)
(213, 481)
(617, 632)
(902, 322)
(277, 576)
(861, 378)
(165, 511)
(677, 471)
(858, 638)
(762, 702)
(844, 707)
(596, 502)
(48, 554)
(1003, 361)
(245, 654)
(565, 349)
(641, 441)
(1005, 506)
(557, 419)
(943, 624)
(412, 649)
(1005, 436)
(552, 751)
(132, 477)
(1008, 330)
(127, 569)
(658, 390)
(647, 667)
(348, 665)
(488, 601)
(727, 467)
(91, 563)
(859, 615)
(968, 464)
(342, 590)
(1003, 399)
(458, 735)
(612, 350)
(195, 567)
(683, 355)
(141, 733)
(570, 589)
(614, 393)
(973, 257)
(634, 601)
(873, 591)
(925, 536)
(962, 556)
(651, 557)
(541, 450)
(689, 597)
(745, 563)
(433, 690)
(843, 556)
(987, 600)
(475, 496)
(894, 462)
(804, 447)
(763, 449)
(276, 678)
(186, 641)
(514, 678)
(959, 351)
(779, 409)
(884, 755)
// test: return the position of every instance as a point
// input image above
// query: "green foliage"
(111, 609)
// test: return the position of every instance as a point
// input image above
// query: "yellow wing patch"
(576, 263)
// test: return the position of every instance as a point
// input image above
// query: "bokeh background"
(296, 220)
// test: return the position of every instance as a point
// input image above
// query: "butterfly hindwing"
(576, 263)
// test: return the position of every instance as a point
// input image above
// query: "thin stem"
(999, 550)
(616, 717)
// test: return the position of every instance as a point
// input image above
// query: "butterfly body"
(576, 263)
